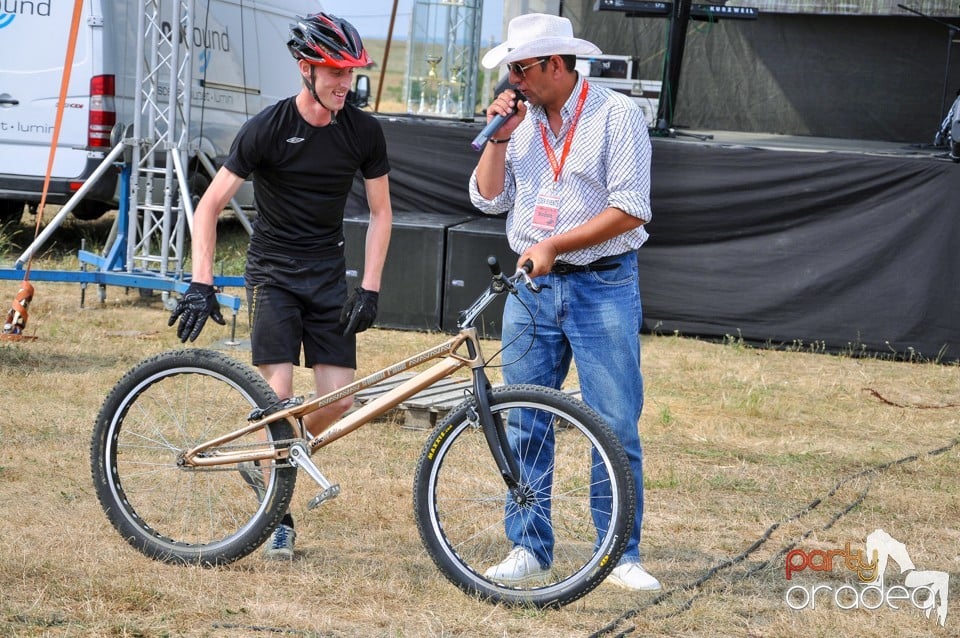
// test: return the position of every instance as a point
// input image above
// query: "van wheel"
(198, 182)
(89, 211)
(10, 211)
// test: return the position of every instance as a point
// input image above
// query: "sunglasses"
(516, 69)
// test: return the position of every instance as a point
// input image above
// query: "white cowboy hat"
(536, 35)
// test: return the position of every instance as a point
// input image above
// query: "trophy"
(433, 60)
(423, 96)
(430, 85)
(455, 105)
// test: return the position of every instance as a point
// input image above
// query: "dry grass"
(743, 447)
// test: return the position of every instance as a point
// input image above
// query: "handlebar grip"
(494, 266)
(527, 266)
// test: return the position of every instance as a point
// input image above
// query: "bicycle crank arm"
(300, 457)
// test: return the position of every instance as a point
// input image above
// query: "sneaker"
(519, 565)
(253, 476)
(281, 545)
(633, 577)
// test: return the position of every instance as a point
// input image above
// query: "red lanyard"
(568, 141)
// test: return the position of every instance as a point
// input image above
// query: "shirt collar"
(570, 106)
(566, 111)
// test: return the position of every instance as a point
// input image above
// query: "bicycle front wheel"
(582, 492)
(162, 407)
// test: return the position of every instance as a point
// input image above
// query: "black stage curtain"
(853, 252)
(841, 251)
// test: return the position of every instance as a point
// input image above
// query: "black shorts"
(294, 303)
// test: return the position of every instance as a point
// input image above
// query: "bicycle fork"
(495, 433)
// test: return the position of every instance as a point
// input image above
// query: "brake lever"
(524, 273)
(500, 283)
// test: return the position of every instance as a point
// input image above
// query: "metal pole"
(671, 72)
(386, 56)
(70, 205)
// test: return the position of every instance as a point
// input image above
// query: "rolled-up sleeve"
(628, 162)
(499, 204)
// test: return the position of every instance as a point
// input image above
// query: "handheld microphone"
(494, 125)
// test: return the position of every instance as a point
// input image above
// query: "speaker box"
(411, 289)
(467, 274)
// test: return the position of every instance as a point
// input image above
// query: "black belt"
(600, 265)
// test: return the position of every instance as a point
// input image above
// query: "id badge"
(546, 211)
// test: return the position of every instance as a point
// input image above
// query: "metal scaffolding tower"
(160, 142)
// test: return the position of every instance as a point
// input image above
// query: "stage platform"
(824, 244)
(799, 143)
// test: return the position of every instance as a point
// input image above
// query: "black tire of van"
(10, 211)
(88, 210)
(198, 183)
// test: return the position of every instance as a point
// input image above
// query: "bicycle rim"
(162, 407)
(460, 499)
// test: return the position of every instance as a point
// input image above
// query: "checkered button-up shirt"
(608, 165)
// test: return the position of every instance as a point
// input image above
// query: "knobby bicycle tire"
(460, 498)
(162, 407)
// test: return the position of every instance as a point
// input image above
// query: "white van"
(240, 65)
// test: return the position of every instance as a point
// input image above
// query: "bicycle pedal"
(330, 493)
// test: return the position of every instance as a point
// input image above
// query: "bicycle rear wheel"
(166, 405)
(460, 498)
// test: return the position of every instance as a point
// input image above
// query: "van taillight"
(103, 112)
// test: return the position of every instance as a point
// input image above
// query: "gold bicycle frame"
(206, 454)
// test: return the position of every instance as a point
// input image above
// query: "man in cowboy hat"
(571, 168)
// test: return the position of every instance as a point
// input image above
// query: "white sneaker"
(281, 544)
(519, 565)
(633, 577)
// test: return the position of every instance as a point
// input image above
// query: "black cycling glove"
(359, 312)
(198, 303)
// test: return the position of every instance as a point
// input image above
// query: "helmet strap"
(313, 92)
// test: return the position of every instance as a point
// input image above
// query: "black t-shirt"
(302, 175)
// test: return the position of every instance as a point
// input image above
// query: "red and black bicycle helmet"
(326, 40)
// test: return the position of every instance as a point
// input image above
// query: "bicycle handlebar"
(498, 286)
(509, 283)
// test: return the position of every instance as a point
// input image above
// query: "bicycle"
(195, 459)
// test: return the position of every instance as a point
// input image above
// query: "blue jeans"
(592, 318)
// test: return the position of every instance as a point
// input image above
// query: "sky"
(372, 17)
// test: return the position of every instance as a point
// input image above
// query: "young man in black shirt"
(303, 153)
